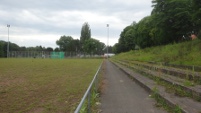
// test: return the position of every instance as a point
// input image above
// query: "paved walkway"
(122, 95)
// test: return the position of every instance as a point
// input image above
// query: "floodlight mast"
(107, 39)
(8, 41)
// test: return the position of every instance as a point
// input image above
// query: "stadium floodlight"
(8, 42)
(107, 39)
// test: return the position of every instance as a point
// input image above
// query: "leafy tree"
(100, 47)
(56, 49)
(109, 48)
(1, 49)
(23, 48)
(49, 49)
(76, 45)
(170, 21)
(116, 49)
(37, 48)
(143, 28)
(93, 46)
(196, 17)
(13, 47)
(65, 43)
(85, 33)
(126, 39)
(173, 18)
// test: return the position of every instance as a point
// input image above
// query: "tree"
(196, 17)
(23, 48)
(126, 40)
(1, 49)
(85, 33)
(116, 49)
(76, 45)
(143, 38)
(170, 21)
(49, 49)
(100, 48)
(56, 49)
(13, 47)
(122, 41)
(37, 48)
(173, 19)
(93, 46)
(65, 43)
(4, 45)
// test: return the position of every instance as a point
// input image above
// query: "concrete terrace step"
(189, 67)
(193, 91)
(186, 104)
(181, 73)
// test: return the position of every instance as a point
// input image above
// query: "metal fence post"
(96, 84)
(88, 94)
(89, 102)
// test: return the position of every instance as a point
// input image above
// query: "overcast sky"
(42, 22)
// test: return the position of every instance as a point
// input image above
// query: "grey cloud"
(65, 17)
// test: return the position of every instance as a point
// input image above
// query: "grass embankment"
(186, 53)
(44, 85)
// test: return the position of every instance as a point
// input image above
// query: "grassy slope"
(186, 53)
(44, 85)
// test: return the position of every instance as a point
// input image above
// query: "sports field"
(44, 85)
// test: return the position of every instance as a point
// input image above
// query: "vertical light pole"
(8, 42)
(107, 40)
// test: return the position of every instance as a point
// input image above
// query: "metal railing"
(88, 93)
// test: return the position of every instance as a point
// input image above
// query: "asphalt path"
(120, 94)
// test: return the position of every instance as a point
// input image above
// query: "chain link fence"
(47, 54)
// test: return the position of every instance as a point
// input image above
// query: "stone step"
(189, 67)
(193, 91)
(181, 73)
(185, 104)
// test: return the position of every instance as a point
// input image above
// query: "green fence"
(57, 55)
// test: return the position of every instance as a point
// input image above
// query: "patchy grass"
(186, 53)
(44, 85)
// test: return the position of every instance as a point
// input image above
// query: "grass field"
(44, 85)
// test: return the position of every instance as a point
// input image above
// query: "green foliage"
(93, 46)
(186, 53)
(87, 44)
(1, 50)
(162, 103)
(196, 6)
(170, 21)
(67, 43)
(85, 33)
(177, 109)
(188, 83)
(15, 47)
(49, 49)
(143, 38)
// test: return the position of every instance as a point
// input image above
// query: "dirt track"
(122, 95)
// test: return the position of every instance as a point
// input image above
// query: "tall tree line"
(86, 44)
(15, 47)
(171, 21)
